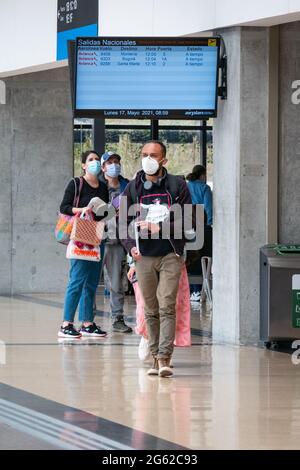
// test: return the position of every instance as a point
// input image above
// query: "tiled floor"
(221, 397)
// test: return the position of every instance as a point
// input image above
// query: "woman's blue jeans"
(82, 286)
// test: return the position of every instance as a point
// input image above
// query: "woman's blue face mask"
(93, 167)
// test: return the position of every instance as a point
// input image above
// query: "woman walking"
(84, 275)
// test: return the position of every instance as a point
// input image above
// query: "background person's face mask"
(113, 170)
(150, 165)
(93, 168)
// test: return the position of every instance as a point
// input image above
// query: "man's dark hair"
(162, 146)
(197, 172)
(84, 155)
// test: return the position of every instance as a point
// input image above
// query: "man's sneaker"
(92, 331)
(154, 368)
(120, 326)
(68, 332)
(164, 367)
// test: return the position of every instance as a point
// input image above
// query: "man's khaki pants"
(158, 279)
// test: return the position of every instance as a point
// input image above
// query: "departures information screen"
(147, 78)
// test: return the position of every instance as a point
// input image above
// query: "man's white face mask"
(150, 165)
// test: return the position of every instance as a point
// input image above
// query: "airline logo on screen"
(212, 42)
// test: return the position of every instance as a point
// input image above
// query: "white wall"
(232, 12)
(126, 18)
(154, 17)
(27, 33)
(294, 5)
(28, 27)
(182, 17)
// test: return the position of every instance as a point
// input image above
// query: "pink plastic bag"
(183, 312)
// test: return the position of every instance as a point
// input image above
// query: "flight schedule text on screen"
(151, 78)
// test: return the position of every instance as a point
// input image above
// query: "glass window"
(127, 143)
(127, 122)
(210, 158)
(126, 137)
(83, 141)
(183, 150)
(184, 123)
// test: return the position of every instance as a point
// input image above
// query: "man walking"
(114, 255)
(158, 259)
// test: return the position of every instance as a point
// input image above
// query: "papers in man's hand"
(156, 213)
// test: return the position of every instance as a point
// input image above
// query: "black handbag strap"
(77, 194)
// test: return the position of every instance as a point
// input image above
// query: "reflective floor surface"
(95, 394)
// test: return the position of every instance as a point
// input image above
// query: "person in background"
(84, 275)
(200, 191)
(114, 254)
(201, 194)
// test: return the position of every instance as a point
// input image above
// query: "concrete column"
(244, 162)
(6, 194)
(36, 164)
(289, 157)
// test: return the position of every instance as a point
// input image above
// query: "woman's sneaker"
(68, 332)
(92, 331)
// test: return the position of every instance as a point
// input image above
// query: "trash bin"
(279, 294)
